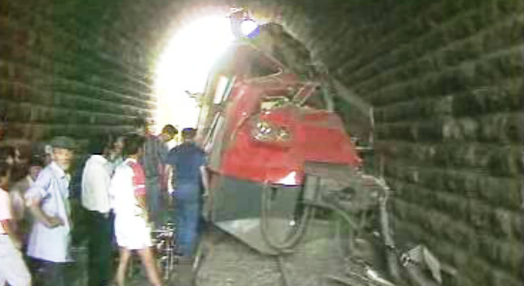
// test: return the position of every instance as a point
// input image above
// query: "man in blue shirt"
(48, 201)
(188, 162)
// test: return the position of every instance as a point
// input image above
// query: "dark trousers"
(157, 207)
(100, 250)
(46, 273)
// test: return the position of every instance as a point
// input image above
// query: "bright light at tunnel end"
(185, 65)
(249, 28)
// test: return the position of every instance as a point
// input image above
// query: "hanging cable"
(290, 242)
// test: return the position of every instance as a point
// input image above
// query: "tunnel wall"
(444, 77)
(445, 80)
(60, 75)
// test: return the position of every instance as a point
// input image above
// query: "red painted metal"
(271, 146)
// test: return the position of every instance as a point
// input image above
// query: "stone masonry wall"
(444, 78)
(59, 76)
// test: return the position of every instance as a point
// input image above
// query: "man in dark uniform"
(189, 176)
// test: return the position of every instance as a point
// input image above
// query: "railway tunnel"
(444, 80)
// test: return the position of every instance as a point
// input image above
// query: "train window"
(212, 135)
(223, 89)
(229, 87)
(220, 90)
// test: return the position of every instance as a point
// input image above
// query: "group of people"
(125, 183)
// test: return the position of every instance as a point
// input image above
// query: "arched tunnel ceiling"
(444, 78)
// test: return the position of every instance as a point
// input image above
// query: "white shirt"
(122, 191)
(5, 208)
(52, 187)
(96, 179)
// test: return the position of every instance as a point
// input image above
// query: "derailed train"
(278, 152)
(267, 134)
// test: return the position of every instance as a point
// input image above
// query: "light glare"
(185, 65)
(248, 26)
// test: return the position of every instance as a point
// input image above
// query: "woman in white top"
(128, 201)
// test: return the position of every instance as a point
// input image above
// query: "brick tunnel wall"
(444, 77)
(59, 75)
(445, 80)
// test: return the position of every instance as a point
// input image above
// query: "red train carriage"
(261, 126)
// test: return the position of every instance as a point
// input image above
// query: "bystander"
(12, 266)
(128, 198)
(48, 200)
(153, 161)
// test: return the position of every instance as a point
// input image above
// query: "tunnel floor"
(228, 262)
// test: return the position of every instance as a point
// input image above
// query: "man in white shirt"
(48, 201)
(96, 180)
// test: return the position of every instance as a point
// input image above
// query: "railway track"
(282, 269)
(228, 262)
(356, 275)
